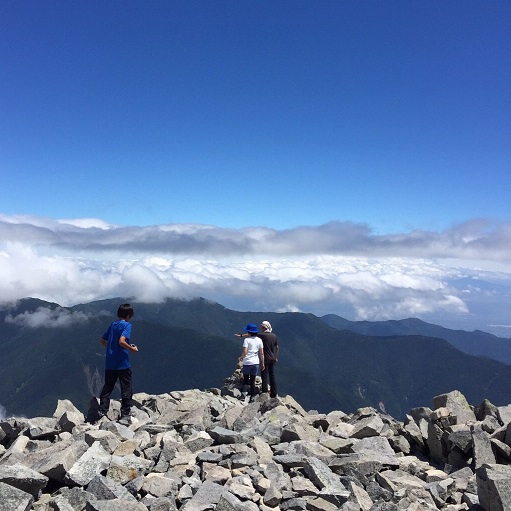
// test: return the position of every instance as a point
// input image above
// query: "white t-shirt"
(253, 345)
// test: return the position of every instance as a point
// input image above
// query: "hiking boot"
(125, 420)
(100, 415)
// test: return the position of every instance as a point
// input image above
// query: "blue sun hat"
(251, 328)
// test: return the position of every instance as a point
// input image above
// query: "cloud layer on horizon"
(338, 267)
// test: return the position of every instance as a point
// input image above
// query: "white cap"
(266, 325)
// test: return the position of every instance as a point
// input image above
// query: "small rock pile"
(210, 450)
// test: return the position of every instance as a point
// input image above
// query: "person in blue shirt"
(117, 364)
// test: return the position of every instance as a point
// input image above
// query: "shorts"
(250, 369)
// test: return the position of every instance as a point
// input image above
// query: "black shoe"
(125, 420)
(100, 415)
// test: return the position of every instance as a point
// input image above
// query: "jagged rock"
(433, 475)
(440, 413)
(272, 496)
(215, 473)
(336, 444)
(60, 503)
(199, 441)
(107, 439)
(502, 450)
(376, 449)
(104, 488)
(494, 487)
(504, 414)
(441, 490)
(326, 480)
(126, 447)
(13, 499)
(457, 405)
(262, 449)
(225, 436)
(123, 469)
(465, 480)
(63, 406)
(194, 450)
(42, 428)
(56, 460)
(355, 463)
(413, 432)
(367, 427)
(92, 462)
(23, 478)
(394, 479)
(207, 495)
(70, 420)
(302, 448)
(460, 437)
(400, 444)
(322, 504)
(435, 443)
(470, 500)
(114, 505)
(122, 431)
(360, 497)
(341, 430)
(483, 453)
(159, 503)
(158, 485)
(229, 502)
(298, 431)
(76, 497)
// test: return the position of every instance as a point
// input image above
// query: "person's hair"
(124, 311)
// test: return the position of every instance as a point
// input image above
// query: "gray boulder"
(494, 487)
(13, 499)
(23, 478)
(457, 405)
(91, 463)
(194, 450)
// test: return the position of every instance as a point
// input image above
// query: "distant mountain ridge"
(476, 343)
(190, 344)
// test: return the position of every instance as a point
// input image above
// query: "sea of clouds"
(460, 277)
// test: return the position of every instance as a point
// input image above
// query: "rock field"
(198, 450)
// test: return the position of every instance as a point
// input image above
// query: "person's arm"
(261, 358)
(277, 353)
(125, 344)
(103, 342)
(243, 353)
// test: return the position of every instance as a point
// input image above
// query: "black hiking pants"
(268, 376)
(111, 376)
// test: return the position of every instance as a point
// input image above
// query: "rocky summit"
(216, 450)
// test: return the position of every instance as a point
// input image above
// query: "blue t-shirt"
(117, 357)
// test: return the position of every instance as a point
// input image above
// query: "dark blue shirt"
(117, 357)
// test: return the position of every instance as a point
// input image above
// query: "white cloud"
(46, 317)
(87, 223)
(144, 283)
(334, 268)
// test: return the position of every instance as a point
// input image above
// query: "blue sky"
(386, 118)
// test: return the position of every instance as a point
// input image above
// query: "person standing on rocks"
(117, 364)
(271, 357)
(252, 356)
